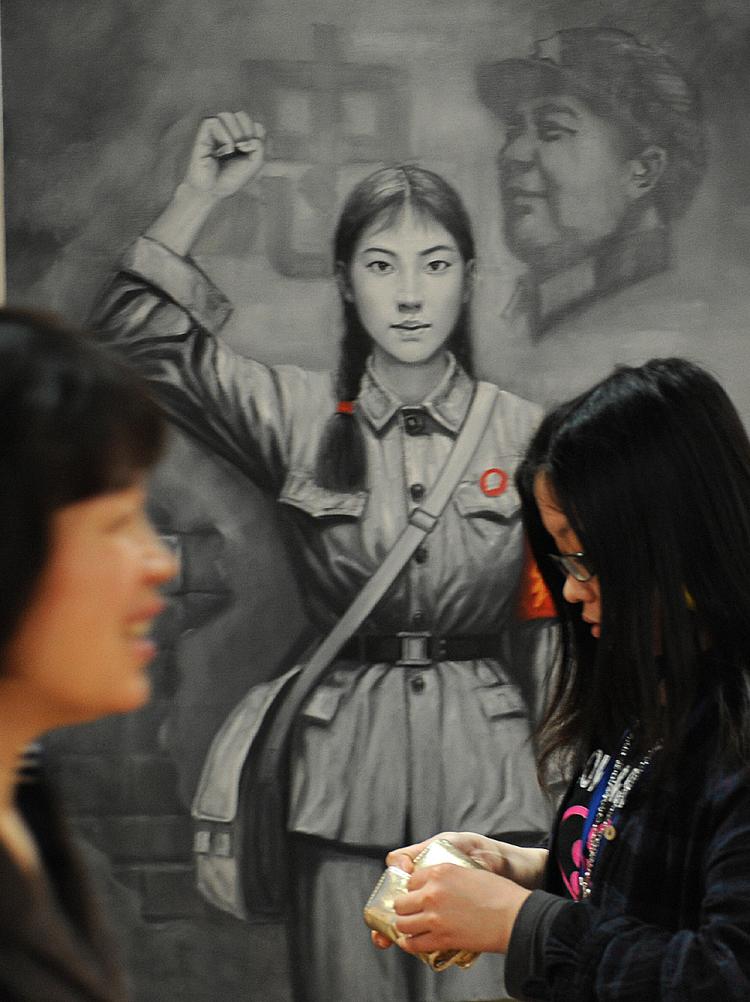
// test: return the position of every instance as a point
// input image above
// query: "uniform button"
(414, 422)
(417, 683)
(417, 492)
(417, 620)
(421, 554)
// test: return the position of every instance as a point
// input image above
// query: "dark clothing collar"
(53, 940)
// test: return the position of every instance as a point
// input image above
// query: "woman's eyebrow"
(378, 250)
(438, 247)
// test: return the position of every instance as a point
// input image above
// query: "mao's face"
(565, 179)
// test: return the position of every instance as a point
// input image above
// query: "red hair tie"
(345, 407)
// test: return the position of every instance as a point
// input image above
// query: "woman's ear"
(470, 278)
(341, 275)
(646, 170)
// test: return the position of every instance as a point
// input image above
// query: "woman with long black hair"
(636, 498)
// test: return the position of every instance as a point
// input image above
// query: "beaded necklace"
(621, 781)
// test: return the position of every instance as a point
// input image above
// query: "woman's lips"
(523, 193)
(595, 626)
(138, 630)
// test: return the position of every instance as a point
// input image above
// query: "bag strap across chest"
(217, 792)
(421, 521)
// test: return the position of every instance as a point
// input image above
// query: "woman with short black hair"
(81, 569)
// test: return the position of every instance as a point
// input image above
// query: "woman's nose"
(162, 561)
(410, 295)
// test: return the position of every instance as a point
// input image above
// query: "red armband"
(534, 600)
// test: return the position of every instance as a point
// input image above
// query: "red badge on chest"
(493, 482)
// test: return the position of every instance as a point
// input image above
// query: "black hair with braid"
(380, 197)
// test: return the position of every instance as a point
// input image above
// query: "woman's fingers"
(451, 907)
(382, 942)
(239, 133)
(250, 133)
(213, 138)
(405, 856)
(227, 154)
(402, 859)
(229, 132)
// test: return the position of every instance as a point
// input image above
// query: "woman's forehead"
(553, 516)
(544, 491)
(406, 226)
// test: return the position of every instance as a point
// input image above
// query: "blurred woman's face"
(555, 521)
(408, 282)
(82, 645)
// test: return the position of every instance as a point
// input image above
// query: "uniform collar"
(447, 404)
(624, 259)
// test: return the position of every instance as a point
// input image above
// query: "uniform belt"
(417, 650)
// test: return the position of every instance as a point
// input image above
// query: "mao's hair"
(655, 103)
(75, 423)
(652, 470)
(378, 200)
(639, 88)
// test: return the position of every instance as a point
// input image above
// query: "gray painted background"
(101, 99)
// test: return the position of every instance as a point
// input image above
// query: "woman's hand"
(227, 154)
(450, 907)
(524, 866)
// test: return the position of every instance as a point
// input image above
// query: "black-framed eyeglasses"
(577, 565)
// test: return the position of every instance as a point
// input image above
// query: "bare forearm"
(524, 865)
(182, 220)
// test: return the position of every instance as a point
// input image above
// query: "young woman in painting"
(82, 568)
(388, 744)
(638, 491)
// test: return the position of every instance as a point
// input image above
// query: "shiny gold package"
(381, 916)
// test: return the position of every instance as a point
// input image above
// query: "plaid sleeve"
(524, 963)
(591, 955)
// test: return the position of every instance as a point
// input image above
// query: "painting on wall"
(176, 174)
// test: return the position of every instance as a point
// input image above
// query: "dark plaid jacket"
(669, 915)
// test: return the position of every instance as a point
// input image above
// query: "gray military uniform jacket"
(382, 749)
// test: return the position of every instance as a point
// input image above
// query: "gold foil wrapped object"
(381, 916)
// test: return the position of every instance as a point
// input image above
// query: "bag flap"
(301, 491)
(470, 499)
(217, 793)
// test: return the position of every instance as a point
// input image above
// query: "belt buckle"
(415, 650)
